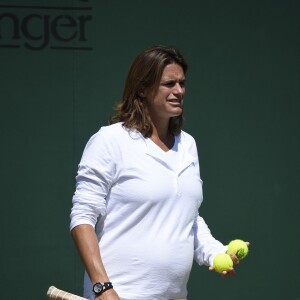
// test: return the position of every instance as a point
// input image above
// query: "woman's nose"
(178, 88)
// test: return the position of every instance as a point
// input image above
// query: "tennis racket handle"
(57, 294)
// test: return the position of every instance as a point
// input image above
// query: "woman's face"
(167, 102)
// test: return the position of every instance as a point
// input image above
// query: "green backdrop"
(63, 64)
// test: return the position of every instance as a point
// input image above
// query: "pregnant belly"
(163, 268)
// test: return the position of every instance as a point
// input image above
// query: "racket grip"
(57, 294)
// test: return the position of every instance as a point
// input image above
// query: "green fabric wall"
(242, 107)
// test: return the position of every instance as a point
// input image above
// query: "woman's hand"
(110, 294)
(231, 271)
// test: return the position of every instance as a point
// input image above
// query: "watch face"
(97, 288)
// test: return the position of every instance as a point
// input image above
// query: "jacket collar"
(157, 153)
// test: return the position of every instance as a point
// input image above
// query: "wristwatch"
(100, 287)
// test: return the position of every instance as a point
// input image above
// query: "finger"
(224, 274)
(231, 271)
(247, 243)
(211, 268)
(234, 259)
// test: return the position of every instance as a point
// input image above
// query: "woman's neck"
(162, 137)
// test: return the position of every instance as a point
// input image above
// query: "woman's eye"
(169, 83)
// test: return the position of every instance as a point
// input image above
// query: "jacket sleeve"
(93, 181)
(206, 247)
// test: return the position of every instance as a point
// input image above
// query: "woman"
(139, 190)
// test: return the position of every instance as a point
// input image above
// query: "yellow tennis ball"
(222, 262)
(239, 248)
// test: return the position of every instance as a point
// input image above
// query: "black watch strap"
(100, 287)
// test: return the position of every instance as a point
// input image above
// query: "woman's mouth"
(175, 102)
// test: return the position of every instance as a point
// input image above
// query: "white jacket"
(145, 212)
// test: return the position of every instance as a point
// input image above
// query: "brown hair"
(145, 72)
